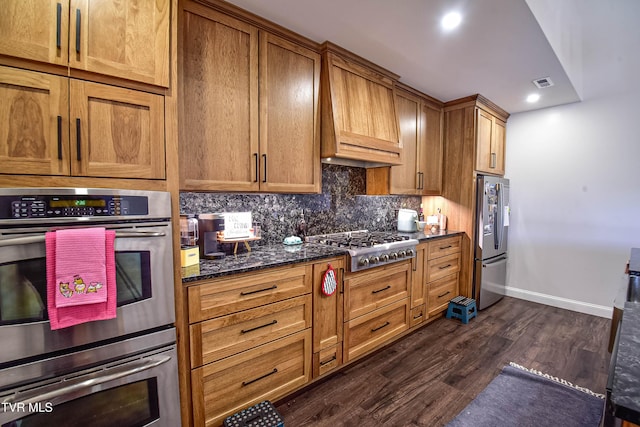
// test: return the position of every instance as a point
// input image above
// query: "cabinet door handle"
(59, 137)
(275, 371)
(78, 22)
(326, 362)
(445, 247)
(380, 327)
(58, 24)
(78, 141)
(414, 264)
(243, 293)
(493, 161)
(264, 158)
(446, 293)
(444, 266)
(244, 331)
(342, 280)
(380, 290)
(255, 158)
(421, 180)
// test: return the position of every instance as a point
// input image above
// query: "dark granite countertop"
(260, 257)
(625, 387)
(423, 236)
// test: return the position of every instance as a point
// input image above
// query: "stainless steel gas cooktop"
(369, 249)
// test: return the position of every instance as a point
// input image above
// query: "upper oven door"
(144, 278)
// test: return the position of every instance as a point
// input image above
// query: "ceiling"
(498, 49)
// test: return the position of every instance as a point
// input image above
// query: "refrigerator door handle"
(494, 261)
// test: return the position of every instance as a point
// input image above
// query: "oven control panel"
(50, 206)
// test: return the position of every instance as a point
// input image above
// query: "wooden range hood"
(359, 117)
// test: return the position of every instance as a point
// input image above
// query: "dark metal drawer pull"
(58, 22)
(446, 266)
(440, 296)
(445, 247)
(244, 331)
(78, 141)
(418, 316)
(380, 327)
(326, 362)
(243, 293)
(59, 137)
(78, 26)
(380, 290)
(255, 157)
(275, 371)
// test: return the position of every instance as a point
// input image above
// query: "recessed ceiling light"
(451, 20)
(534, 97)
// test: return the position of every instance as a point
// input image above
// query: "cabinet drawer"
(440, 292)
(367, 332)
(242, 292)
(368, 291)
(327, 360)
(224, 336)
(443, 266)
(267, 372)
(418, 315)
(442, 247)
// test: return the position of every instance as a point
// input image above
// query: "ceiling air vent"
(543, 82)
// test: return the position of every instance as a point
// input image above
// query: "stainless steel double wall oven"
(121, 371)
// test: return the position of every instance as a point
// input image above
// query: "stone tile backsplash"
(340, 207)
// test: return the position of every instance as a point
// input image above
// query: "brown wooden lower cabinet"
(269, 371)
(418, 315)
(440, 292)
(327, 360)
(365, 333)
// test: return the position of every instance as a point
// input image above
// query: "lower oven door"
(130, 392)
(144, 280)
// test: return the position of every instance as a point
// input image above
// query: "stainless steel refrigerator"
(491, 235)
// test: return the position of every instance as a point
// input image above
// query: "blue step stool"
(462, 308)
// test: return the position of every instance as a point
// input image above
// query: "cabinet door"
(289, 127)
(431, 150)
(498, 145)
(34, 124)
(121, 38)
(35, 29)
(327, 310)
(406, 178)
(484, 129)
(219, 121)
(116, 132)
(419, 279)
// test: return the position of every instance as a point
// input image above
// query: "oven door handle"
(53, 392)
(39, 238)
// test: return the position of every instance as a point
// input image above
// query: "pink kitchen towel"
(81, 266)
(92, 309)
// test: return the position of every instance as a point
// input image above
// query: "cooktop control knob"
(363, 262)
(409, 252)
(374, 260)
(393, 255)
(401, 254)
(384, 257)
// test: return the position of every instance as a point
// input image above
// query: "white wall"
(575, 201)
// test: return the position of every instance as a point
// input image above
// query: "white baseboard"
(554, 301)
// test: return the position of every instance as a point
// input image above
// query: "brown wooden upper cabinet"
(52, 125)
(128, 39)
(359, 119)
(250, 118)
(420, 119)
(491, 135)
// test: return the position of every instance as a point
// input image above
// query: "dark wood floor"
(428, 377)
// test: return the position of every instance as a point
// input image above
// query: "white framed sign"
(237, 225)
